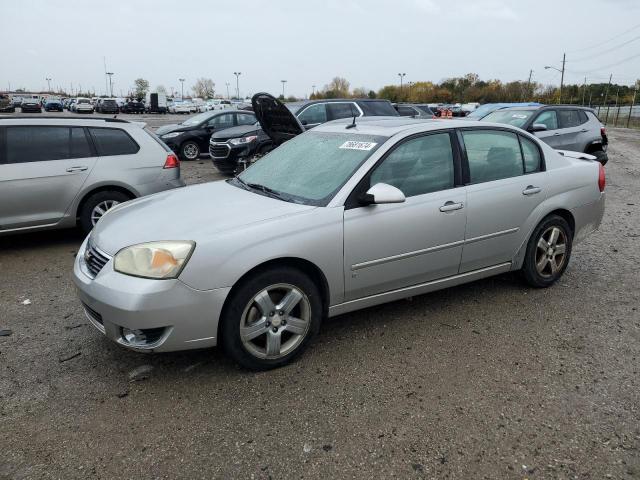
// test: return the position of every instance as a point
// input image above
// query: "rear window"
(113, 141)
(378, 108)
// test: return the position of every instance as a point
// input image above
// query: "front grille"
(94, 260)
(219, 150)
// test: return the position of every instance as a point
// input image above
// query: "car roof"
(546, 107)
(60, 120)
(390, 126)
(333, 100)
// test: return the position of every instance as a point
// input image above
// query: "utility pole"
(401, 75)
(181, 80)
(606, 92)
(237, 74)
(564, 57)
(528, 93)
(283, 82)
(110, 74)
(584, 90)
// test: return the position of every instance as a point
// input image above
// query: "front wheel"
(548, 252)
(271, 318)
(97, 205)
(190, 151)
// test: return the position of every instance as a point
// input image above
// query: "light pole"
(564, 56)
(110, 74)
(237, 74)
(48, 79)
(313, 89)
(181, 80)
(401, 75)
(228, 97)
(283, 82)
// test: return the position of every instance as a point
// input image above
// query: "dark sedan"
(132, 107)
(31, 105)
(191, 137)
(53, 105)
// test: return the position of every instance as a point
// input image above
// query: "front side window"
(492, 155)
(418, 166)
(310, 168)
(517, 118)
(314, 114)
(113, 141)
(246, 119)
(548, 119)
(222, 121)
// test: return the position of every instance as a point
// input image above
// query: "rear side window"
(378, 108)
(568, 118)
(418, 166)
(492, 155)
(44, 143)
(531, 153)
(113, 141)
(342, 110)
(583, 117)
(406, 111)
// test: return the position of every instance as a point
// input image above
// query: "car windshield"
(293, 107)
(310, 168)
(197, 119)
(483, 110)
(517, 118)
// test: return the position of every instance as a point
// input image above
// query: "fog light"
(134, 337)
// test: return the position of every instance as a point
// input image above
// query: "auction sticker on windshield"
(355, 145)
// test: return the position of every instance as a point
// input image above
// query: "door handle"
(531, 190)
(76, 169)
(584, 130)
(451, 206)
(556, 134)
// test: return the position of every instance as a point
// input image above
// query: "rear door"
(506, 184)
(570, 130)
(42, 169)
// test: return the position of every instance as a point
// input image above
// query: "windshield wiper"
(269, 191)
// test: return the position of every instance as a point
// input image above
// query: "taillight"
(601, 178)
(171, 161)
(603, 132)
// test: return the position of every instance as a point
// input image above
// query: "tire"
(99, 200)
(189, 150)
(290, 332)
(546, 259)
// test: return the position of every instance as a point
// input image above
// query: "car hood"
(235, 132)
(174, 127)
(276, 119)
(196, 213)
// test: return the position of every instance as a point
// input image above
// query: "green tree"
(141, 87)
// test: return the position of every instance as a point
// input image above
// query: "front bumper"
(226, 157)
(188, 318)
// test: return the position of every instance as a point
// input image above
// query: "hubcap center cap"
(550, 252)
(276, 321)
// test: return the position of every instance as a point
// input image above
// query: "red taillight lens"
(601, 179)
(171, 161)
(603, 132)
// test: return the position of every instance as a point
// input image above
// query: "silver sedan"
(343, 217)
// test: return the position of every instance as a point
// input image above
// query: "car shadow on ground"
(42, 240)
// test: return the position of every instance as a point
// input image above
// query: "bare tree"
(142, 87)
(204, 88)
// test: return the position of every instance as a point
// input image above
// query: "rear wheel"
(97, 205)
(271, 318)
(548, 252)
(190, 151)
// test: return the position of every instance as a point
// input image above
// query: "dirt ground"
(487, 380)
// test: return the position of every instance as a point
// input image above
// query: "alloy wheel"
(190, 151)
(551, 252)
(100, 209)
(275, 321)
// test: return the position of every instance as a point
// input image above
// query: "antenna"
(353, 124)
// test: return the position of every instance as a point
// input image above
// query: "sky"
(308, 42)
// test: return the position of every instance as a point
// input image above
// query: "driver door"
(392, 246)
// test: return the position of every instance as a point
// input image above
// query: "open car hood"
(276, 119)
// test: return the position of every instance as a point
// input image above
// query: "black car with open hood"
(277, 121)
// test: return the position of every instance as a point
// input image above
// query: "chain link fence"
(619, 115)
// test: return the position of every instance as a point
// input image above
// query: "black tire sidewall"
(529, 269)
(95, 199)
(240, 297)
(182, 147)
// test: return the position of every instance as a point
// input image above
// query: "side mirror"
(382, 193)
(537, 127)
(304, 122)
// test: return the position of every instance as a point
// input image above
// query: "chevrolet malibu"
(346, 216)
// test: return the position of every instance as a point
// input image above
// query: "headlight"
(154, 259)
(243, 140)
(170, 135)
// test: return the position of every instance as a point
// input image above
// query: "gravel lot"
(487, 380)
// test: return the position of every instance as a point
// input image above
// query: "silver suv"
(58, 172)
(564, 127)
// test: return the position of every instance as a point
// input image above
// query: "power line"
(604, 67)
(589, 57)
(606, 41)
